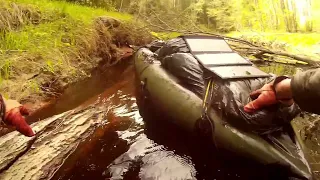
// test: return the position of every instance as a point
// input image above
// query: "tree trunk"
(120, 8)
(290, 15)
(276, 20)
(309, 22)
(24, 158)
(294, 16)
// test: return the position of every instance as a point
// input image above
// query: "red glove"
(14, 117)
(262, 97)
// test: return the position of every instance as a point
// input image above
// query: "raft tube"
(185, 109)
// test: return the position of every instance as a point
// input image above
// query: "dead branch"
(260, 52)
(9, 51)
(159, 19)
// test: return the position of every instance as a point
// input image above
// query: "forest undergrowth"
(48, 45)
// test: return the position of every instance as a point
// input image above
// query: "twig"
(161, 20)
(13, 50)
(34, 76)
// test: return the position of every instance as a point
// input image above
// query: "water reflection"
(153, 160)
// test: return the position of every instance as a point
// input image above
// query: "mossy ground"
(47, 45)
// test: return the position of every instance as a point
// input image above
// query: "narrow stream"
(129, 146)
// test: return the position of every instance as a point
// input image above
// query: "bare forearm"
(284, 92)
(303, 88)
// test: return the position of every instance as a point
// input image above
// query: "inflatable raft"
(186, 107)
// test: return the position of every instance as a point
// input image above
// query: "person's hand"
(269, 95)
(14, 117)
(262, 97)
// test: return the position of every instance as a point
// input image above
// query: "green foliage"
(224, 16)
(216, 15)
(220, 15)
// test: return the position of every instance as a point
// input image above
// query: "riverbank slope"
(48, 45)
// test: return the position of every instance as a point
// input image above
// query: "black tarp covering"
(177, 45)
(185, 67)
(229, 96)
(155, 45)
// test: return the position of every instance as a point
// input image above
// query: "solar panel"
(207, 45)
(222, 59)
(216, 55)
(236, 72)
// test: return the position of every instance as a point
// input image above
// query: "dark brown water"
(80, 92)
(130, 146)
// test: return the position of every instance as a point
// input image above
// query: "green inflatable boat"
(187, 109)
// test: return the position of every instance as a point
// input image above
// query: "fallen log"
(281, 61)
(260, 52)
(57, 137)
